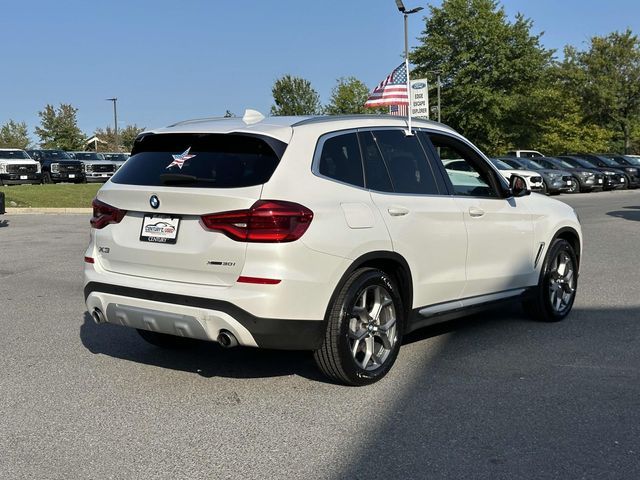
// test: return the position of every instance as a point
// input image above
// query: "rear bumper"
(200, 318)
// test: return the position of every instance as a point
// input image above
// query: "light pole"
(406, 14)
(115, 120)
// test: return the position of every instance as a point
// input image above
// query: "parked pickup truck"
(17, 167)
(96, 168)
(57, 166)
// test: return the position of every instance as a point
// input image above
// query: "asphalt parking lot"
(493, 396)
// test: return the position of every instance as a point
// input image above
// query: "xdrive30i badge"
(154, 201)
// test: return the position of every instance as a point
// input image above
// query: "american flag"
(399, 110)
(391, 91)
(178, 160)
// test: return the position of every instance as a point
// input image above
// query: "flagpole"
(406, 14)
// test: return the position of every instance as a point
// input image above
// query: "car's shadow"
(208, 359)
(629, 213)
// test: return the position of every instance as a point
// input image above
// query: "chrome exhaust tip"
(227, 339)
(98, 316)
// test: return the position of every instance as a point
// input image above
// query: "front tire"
(364, 329)
(575, 186)
(557, 286)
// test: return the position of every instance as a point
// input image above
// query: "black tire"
(575, 186)
(335, 358)
(163, 340)
(545, 189)
(46, 177)
(541, 307)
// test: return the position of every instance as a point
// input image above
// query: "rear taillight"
(104, 214)
(266, 221)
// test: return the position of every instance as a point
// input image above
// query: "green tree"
(59, 128)
(608, 79)
(126, 137)
(348, 97)
(489, 67)
(14, 135)
(294, 96)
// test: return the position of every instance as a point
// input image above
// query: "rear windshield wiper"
(168, 178)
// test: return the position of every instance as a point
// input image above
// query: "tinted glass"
(501, 164)
(532, 165)
(476, 179)
(208, 160)
(56, 155)
(340, 159)
(406, 162)
(88, 156)
(375, 170)
(13, 155)
(513, 164)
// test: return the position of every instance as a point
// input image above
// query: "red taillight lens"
(265, 221)
(104, 214)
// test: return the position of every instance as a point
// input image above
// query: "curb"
(40, 211)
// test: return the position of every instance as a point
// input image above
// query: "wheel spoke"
(369, 344)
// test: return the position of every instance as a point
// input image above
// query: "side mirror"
(518, 186)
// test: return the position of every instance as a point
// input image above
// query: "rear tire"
(46, 178)
(163, 340)
(364, 329)
(557, 286)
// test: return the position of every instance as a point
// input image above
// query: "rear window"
(201, 160)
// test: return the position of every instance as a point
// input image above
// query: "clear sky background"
(173, 60)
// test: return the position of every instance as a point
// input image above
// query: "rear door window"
(201, 160)
(406, 162)
(340, 159)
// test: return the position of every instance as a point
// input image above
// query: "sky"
(167, 61)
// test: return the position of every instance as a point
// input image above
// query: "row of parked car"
(55, 166)
(573, 173)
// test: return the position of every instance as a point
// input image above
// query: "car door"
(425, 224)
(500, 253)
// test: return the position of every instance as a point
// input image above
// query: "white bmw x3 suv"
(337, 235)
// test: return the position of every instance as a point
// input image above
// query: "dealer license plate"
(104, 175)
(622, 179)
(160, 229)
(569, 182)
(24, 177)
(599, 180)
(72, 175)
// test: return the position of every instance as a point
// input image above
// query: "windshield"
(531, 165)
(513, 164)
(116, 156)
(56, 155)
(608, 161)
(633, 161)
(583, 162)
(201, 160)
(14, 155)
(563, 163)
(88, 156)
(500, 164)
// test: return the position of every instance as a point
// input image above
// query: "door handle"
(397, 211)
(476, 212)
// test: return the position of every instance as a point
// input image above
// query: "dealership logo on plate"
(160, 228)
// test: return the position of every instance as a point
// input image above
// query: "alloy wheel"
(562, 284)
(372, 329)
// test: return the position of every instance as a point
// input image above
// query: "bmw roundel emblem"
(154, 201)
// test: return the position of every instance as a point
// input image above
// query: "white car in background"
(533, 179)
(337, 235)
